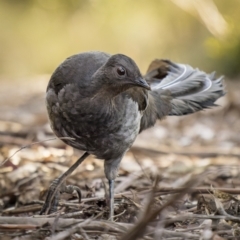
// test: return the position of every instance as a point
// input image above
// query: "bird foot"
(70, 189)
(53, 195)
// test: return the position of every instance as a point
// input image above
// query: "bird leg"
(111, 199)
(55, 188)
(111, 167)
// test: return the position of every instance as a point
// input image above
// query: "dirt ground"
(179, 180)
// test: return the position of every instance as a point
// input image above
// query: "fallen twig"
(31, 144)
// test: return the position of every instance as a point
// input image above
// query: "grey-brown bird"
(102, 102)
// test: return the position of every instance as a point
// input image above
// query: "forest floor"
(178, 181)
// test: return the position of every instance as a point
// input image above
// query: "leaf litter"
(179, 181)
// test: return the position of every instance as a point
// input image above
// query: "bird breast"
(104, 128)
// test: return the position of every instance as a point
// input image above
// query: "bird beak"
(141, 82)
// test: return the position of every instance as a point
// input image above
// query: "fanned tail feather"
(189, 90)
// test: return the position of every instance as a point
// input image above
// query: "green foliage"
(225, 55)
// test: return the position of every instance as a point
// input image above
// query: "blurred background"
(35, 36)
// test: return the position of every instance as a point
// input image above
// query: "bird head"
(120, 73)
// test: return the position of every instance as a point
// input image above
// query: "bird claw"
(70, 189)
(53, 196)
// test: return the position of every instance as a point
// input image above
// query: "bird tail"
(185, 89)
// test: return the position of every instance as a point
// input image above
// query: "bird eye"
(121, 71)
